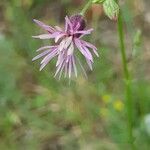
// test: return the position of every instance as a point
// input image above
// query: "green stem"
(89, 3)
(127, 83)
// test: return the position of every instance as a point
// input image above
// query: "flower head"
(67, 42)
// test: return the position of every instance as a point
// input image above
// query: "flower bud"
(111, 9)
(78, 22)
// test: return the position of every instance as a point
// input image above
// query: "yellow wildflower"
(106, 98)
(118, 105)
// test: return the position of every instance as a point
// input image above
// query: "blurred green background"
(37, 112)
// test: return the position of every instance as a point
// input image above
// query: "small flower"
(118, 105)
(106, 98)
(66, 43)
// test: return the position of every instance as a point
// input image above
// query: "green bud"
(111, 9)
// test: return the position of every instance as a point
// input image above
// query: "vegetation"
(38, 112)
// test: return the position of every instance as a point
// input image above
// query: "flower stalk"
(89, 3)
(129, 105)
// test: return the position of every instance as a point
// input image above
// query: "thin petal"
(47, 36)
(41, 55)
(49, 56)
(60, 59)
(46, 60)
(90, 57)
(58, 68)
(67, 42)
(61, 70)
(89, 45)
(84, 50)
(84, 32)
(66, 66)
(61, 45)
(43, 36)
(44, 47)
(89, 64)
(68, 24)
(58, 37)
(70, 49)
(58, 28)
(70, 68)
(44, 26)
(74, 66)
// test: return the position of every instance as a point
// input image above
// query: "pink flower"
(67, 42)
